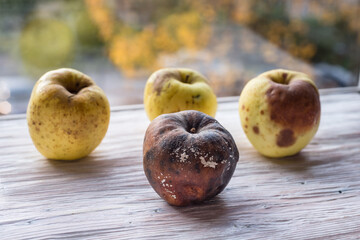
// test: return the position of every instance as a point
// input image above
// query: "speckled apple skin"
(170, 90)
(64, 125)
(280, 112)
(188, 157)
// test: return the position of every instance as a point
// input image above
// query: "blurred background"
(119, 43)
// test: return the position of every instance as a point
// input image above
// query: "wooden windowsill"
(314, 194)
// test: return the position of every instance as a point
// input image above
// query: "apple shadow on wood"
(296, 163)
(213, 209)
(91, 166)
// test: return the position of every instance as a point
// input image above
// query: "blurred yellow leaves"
(133, 52)
(102, 17)
(132, 49)
(183, 30)
(138, 45)
(243, 12)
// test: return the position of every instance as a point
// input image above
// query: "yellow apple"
(68, 114)
(172, 90)
(280, 112)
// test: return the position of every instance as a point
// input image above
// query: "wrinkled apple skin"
(68, 115)
(171, 90)
(280, 112)
(188, 157)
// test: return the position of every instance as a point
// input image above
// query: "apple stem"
(187, 78)
(193, 130)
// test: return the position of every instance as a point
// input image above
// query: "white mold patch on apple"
(228, 167)
(183, 157)
(209, 163)
(166, 185)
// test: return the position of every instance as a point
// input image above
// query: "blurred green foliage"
(329, 33)
(46, 44)
(87, 32)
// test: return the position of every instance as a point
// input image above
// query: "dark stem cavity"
(187, 79)
(76, 88)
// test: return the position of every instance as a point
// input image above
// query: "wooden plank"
(312, 195)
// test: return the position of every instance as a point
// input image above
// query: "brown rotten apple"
(188, 157)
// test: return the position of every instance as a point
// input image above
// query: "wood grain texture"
(312, 195)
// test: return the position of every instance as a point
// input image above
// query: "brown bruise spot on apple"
(285, 100)
(285, 138)
(148, 174)
(161, 78)
(192, 192)
(256, 129)
(262, 112)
